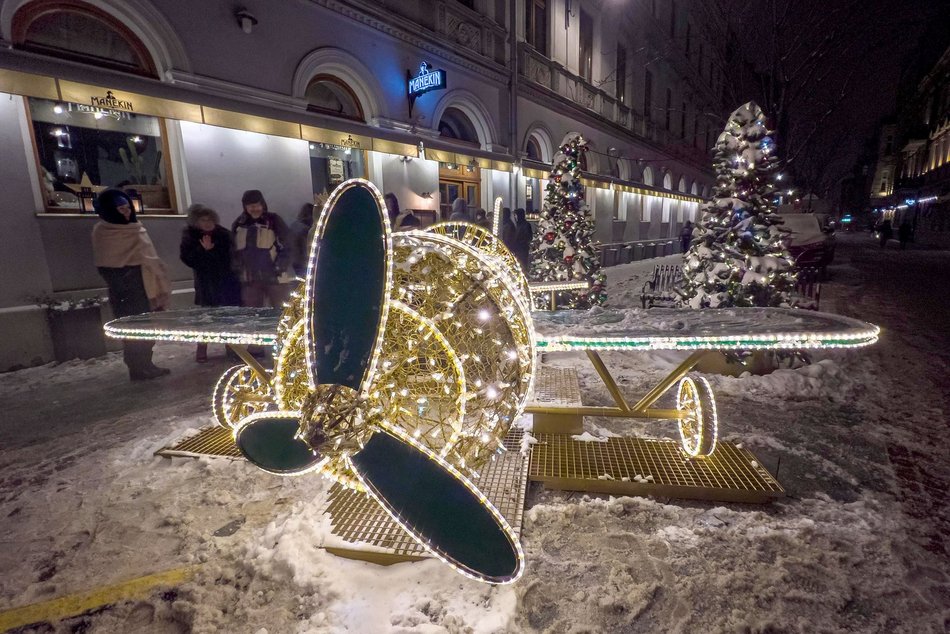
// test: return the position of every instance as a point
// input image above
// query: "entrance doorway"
(458, 181)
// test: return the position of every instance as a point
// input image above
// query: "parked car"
(812, 241)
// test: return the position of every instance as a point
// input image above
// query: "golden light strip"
(491, 264)
(453, 358)
(482, 498)
(280, 367)
(311, 268)
(681, 404)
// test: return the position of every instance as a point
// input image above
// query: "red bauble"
(549, 237)
(568, 258)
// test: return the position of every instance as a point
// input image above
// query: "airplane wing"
(711, 329)
(223, 324)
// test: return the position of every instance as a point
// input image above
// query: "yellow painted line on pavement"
(73, 604)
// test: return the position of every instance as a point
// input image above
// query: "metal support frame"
(245, 355)
(642, 409)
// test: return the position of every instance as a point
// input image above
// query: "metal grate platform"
(368, 533)
(560, 388)
(210, 441)
(556, 387)
(731, 474)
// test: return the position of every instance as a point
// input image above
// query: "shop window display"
(82, 150)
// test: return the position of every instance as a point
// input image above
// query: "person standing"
(904, 232)
(523, 235)
(299, 234)
(507, 229)
(137, 278)
(686, 236)
(459, 211)
(392, 208)
(206, 249)
(261, 252)
(481, 219)
(886, 232)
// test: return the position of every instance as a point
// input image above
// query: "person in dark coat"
(392, 208)
(409, 221)
(904, 232)
(137, 279)
(887, 232)
(523, 235)
(459, 211)
(481, 219)
(261, 252)
(686, 236)
(206, 249)
(299, 242)
(507, 229)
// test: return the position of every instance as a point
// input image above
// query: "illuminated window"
(82, 150)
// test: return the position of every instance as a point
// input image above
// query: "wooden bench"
(660, 290)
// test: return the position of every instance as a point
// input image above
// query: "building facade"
(922, 193)
(196, 102)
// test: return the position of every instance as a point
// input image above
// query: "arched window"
(326, 94)
(648, 175)
(682, 184)
(73, 30)
(455, 124)
(533, 150)
(667, 181)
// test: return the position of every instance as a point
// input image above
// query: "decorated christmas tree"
(737, 256)
(563, 249)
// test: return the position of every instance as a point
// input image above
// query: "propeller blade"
(442, 510)
(268, 440)
(347, 284)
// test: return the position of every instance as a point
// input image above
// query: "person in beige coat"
(137, 278)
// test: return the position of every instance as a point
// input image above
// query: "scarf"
(116, 246)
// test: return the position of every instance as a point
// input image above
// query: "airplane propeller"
(346, 306)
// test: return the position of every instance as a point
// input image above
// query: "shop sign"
(425, 81)
(109, 101)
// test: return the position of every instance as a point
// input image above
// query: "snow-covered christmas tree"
(563, 249)
(737, 256)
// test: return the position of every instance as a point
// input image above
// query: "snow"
(859, 544)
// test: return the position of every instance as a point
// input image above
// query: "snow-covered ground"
(859, 440)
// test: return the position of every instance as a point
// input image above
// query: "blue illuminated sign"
(426, 80)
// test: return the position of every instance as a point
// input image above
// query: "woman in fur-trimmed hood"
(137, 278)
(206, 249)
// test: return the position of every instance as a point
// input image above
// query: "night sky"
(843, 61)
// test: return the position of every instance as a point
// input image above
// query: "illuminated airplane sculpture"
(403, 359)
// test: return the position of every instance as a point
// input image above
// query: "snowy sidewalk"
(860, 543)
